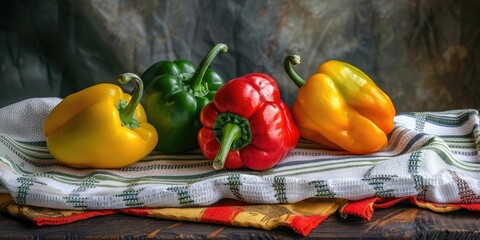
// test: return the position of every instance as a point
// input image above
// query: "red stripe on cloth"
(470, 207)
(142, 212)
(221, 215)
(41, 221)
(440, 206)
(361, 208)
(303, 225)
(388, 202)
(365, 208)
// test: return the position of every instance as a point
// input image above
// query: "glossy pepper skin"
(247, 125)
(176, 92)
(100, 127)
(340, 107)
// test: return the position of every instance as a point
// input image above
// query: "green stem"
(287, 65)
(126, 114)
(203, 66)
(231, 132)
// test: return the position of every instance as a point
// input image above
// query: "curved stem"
(203, 66)
(231, 132)
(287, 66)
(126, 115)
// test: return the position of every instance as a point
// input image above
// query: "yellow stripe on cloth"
(272, 216)
(301, 216)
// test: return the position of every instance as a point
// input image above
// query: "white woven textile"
(434, 156)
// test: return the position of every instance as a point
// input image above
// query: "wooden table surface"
(399, 222)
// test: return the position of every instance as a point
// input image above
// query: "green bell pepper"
(175, 93)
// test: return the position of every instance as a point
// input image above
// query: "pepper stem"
(287, 65)
(203, 66)
(231, 132)
(126, 113)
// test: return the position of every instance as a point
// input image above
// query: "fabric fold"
(301, 217)
(431, 155)
(365, 208)
(432, 159)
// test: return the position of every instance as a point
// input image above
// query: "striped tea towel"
(433, 156)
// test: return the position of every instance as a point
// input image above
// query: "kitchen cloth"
(301, 216)
(365, 208)
(432, 156)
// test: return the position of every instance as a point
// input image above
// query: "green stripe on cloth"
(234, 184)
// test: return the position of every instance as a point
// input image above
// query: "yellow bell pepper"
(340, 107)
(100, 127)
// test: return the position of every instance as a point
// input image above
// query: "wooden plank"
(398, 222)
(402, 222)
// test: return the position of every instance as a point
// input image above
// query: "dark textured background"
(424, 54)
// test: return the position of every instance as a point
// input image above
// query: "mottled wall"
(424, 54)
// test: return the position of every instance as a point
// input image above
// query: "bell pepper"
(176, 92)
(100, 127)
(340, 107)
(247, 124)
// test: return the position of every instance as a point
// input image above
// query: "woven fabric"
(433, 156)
(302, 216)
(365, 208)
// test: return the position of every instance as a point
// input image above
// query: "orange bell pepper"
(340, 107)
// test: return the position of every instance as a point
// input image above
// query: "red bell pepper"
(247, 124)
